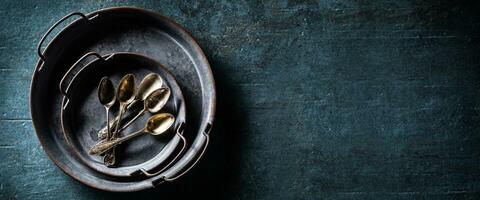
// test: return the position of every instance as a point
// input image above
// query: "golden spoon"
(126, 95)
(156, 125)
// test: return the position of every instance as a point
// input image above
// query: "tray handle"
(180, 130)
(39, 47)
(207, 138)
(63, 90)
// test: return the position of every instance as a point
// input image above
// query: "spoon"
(106, 96)
(125, 95)
(150, 83)
(156, 125)
(153, 104)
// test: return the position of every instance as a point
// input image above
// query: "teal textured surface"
(316, 100)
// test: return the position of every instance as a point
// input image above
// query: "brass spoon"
(106, 96)
(125, 95)
(156, 125)
(150, 83)
(153, 104)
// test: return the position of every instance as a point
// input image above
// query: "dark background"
(316, 100)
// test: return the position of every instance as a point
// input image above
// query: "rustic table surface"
(316, 100)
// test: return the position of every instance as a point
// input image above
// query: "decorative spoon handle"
(109, 157)
(105, 145)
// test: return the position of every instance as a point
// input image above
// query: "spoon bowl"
(159, 123)
(106, 92)
(150, 83)
(126, 89)
(157, 99)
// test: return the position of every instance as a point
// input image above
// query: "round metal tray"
(81, 119)
(126, 30)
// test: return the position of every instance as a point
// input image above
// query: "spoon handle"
(120, 114)
(109, 133)
(132, 120)
(109, 158)
(105, 145)
(103, 133)
(133, 103)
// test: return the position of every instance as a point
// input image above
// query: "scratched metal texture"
(316, 100)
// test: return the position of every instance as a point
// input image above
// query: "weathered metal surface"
(384, 95)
